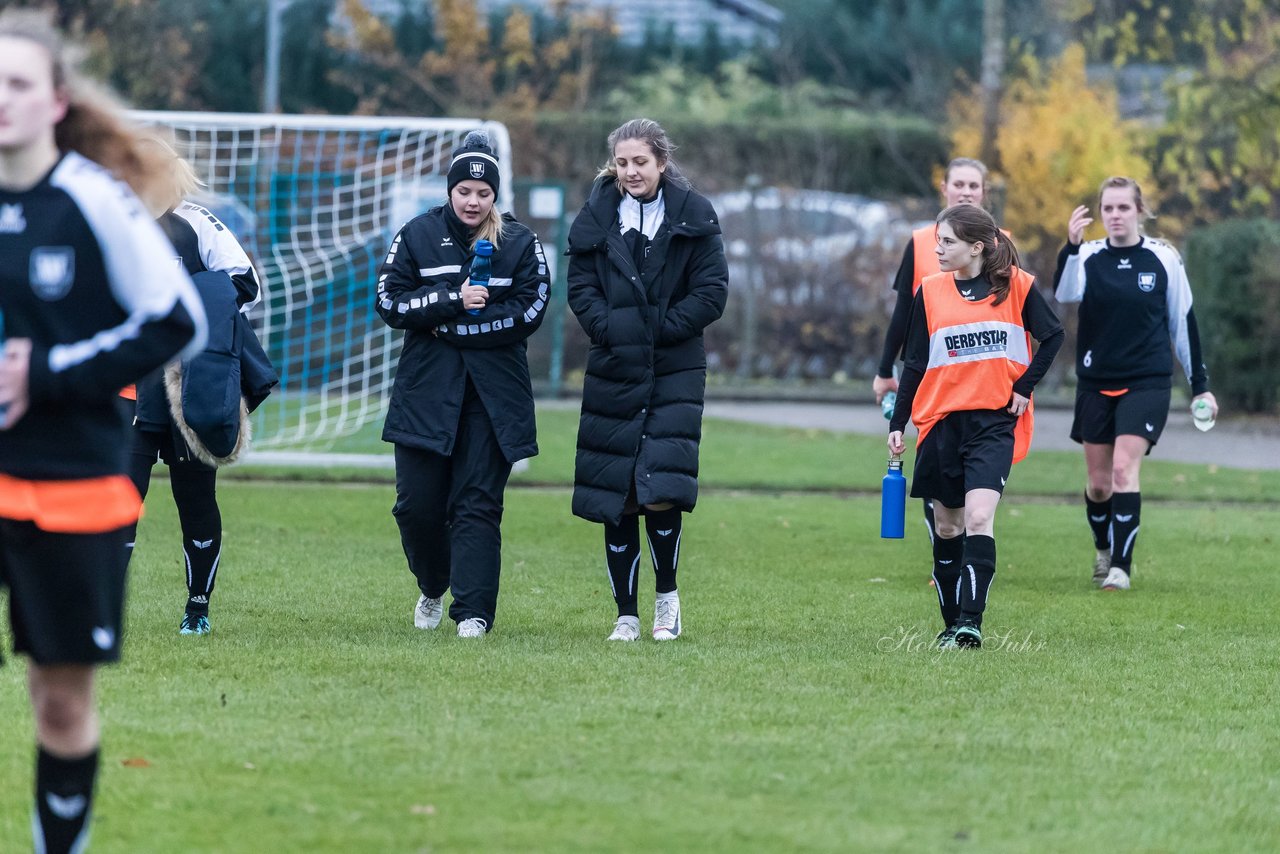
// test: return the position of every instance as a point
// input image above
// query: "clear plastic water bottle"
(887, 403)
(1202, 415)
(481, 268)
(893, 501)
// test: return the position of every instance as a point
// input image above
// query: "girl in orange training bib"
(966, 384)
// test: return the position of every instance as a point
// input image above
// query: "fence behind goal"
(315, 201)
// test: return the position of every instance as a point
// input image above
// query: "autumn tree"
(503, 64)
(1058, 138)
(1217, 155)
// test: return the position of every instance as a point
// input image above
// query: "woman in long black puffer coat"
(647, 275)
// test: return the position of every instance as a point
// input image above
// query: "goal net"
(315, 201)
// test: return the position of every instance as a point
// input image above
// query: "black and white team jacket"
(1135, 313)
(88, 276)
(419, 291)
(204, 243)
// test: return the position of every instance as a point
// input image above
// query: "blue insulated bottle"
(893, 502)
(481, 268)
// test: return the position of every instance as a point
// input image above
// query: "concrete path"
(1245, 443)
(1251, 444)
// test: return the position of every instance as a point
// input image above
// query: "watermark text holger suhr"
(917, 639)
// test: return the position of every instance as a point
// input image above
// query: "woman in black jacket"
(647, 275)
(461, 410)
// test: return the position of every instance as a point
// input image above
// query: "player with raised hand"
(1135, 313)
(967, 386)
(92, 301)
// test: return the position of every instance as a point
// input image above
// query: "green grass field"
(803, 709)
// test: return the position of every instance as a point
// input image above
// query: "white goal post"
(315, 201)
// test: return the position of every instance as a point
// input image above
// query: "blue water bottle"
(481, 268)
(887, 403)
(893, 501)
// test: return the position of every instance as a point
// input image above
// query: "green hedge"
(1236, 281)
(871, 155)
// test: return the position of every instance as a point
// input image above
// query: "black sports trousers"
(449, 509)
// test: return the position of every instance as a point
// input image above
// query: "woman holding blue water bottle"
(461, 410)
(967, 385)
(964, 183)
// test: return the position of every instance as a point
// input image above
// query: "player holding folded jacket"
(165, 425)
(967, 386)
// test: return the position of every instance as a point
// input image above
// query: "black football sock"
(203, 557)
(663, 528)
(622, 554)
(1099, 513)
(947, 555)
(195, 493)
(1126, 513)
(64, 799)
(977, 571)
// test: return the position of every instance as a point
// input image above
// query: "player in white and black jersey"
(91, 302)
(1135, 315)
(204, 245)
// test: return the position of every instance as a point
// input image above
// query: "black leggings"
(194, 487)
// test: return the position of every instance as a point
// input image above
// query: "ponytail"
(998, 262)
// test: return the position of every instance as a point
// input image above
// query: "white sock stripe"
(213, 570)
(81, 843)
(959, 586)
(1128, 543)
(973, 582)
(609, 572)
(187, 558)
(675, 557)
(631, 582)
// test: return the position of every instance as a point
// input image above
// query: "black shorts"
(160, 445)
(66, 593)
(964, 451)
(1138, 412)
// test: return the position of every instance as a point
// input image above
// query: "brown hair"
(972, 224)
(1121, 182)
(95, 125)
(651, 134)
